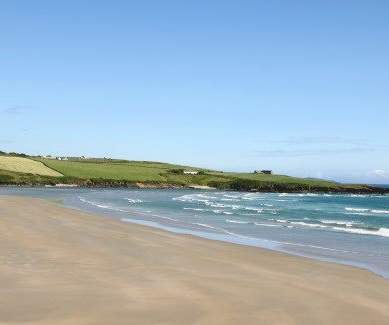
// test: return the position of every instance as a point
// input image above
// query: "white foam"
(99, 205)
(194, 198)
(259, 210)
(206, 196)
(196, 209)
(221, 205)
(313, 225)
(340, 222)
(237, 221)
(252, 196)
(356, 209)
(133, 200)
(231, 196)
(205, 225)
(383, 232)
(380, 211)
(364, 211)
(298, 194)
(266, 224)
(163, 217)
(219, 229)
(359, 213)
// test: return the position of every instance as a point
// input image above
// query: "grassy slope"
(282, 179)
(99, 172)
(132, 171)
(158, 173)
(119, 171)
(24, 165)
(16, 178)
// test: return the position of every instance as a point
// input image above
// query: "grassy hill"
(25, 165)
(136, 172)
(109, 172)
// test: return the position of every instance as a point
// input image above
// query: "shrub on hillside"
(178, 171)
(6, 179)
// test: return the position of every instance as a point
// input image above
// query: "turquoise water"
(351, 229)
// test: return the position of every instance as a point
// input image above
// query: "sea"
(351, 229)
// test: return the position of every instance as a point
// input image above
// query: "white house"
(191, 172)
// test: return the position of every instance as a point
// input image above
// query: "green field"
(113, 173)
(159, 172)
(25, 165)
(120, 171)
(129, 171)
(282, 179)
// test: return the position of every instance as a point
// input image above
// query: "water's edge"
(348, 230)
(259, 243)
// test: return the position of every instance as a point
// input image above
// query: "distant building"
(267, 172)
(191, 172)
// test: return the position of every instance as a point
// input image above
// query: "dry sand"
(60, 266)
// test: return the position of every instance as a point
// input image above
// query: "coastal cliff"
(103, 172)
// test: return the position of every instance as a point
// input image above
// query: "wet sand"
(62, 266)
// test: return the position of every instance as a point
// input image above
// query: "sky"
(299, 87)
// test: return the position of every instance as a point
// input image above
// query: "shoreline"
(308, 246)
(56, 259)
(374, 190)
(270, 245)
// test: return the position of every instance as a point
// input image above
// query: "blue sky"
(300, 87)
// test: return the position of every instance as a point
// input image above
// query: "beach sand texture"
(61, 266)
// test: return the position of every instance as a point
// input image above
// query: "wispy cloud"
(380, 173)
(310, 152)
(16, 109)
(316, 146)
(6, 141)
(316, 140)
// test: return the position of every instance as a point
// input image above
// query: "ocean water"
(349, 229)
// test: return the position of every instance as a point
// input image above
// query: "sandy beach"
(62, 266)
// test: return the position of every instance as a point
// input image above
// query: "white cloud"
(380, 173)
(311, 152)
(298, 146)
(16, 109)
